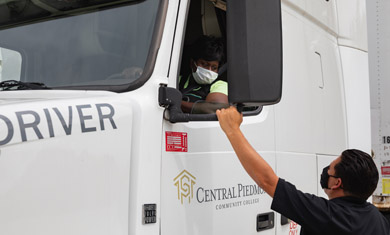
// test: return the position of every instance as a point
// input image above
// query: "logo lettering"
(30, 121)
(106, 116)
(185, 186)
(84, 117)
(67, 128)
(10, 130)
(225, 197)
(23, 125)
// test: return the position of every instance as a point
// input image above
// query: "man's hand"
(229, 119)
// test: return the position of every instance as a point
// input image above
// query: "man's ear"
(337, 185)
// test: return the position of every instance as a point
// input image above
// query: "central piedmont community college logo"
(184, 183)
(225, 197)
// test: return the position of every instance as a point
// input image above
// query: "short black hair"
(358, 173)
(208, 48)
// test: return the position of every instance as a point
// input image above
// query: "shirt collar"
(352, 199)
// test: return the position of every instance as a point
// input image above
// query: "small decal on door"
(386, 186)
(385, 170)
(176, 141)
(293, 228)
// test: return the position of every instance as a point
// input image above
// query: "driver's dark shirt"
(339, 216)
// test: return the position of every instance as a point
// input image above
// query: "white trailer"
(379, 58)
(86, 150)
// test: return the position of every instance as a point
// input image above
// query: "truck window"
(77, 45)
(206, 25)
(10, 64)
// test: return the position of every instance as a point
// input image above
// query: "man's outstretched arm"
(262, 173)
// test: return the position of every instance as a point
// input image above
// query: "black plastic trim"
(173, 40)
(284, 220)
(265, 221)
(254, 112)
(170, 98)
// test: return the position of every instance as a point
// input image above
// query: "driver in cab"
(202, 91)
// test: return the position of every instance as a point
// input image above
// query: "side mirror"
(254, 45)
(170, 98)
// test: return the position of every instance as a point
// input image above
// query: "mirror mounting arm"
(170, 98)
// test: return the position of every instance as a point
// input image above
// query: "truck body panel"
(379, 56)
(91, 160)
(60, 175)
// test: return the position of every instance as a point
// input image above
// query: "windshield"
(102, 47)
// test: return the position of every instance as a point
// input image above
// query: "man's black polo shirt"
(316, 215)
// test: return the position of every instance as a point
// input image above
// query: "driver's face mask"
(325, 178)
(204, 76)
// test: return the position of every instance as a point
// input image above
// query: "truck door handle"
(265, 221)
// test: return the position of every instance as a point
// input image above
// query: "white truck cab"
(92, 137)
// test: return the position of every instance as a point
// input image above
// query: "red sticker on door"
(176, 141)
(385, 170)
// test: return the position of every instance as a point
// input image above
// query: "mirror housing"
(254, 45)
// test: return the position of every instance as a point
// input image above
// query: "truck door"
(204, 188)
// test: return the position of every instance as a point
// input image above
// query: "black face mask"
(324, 178)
